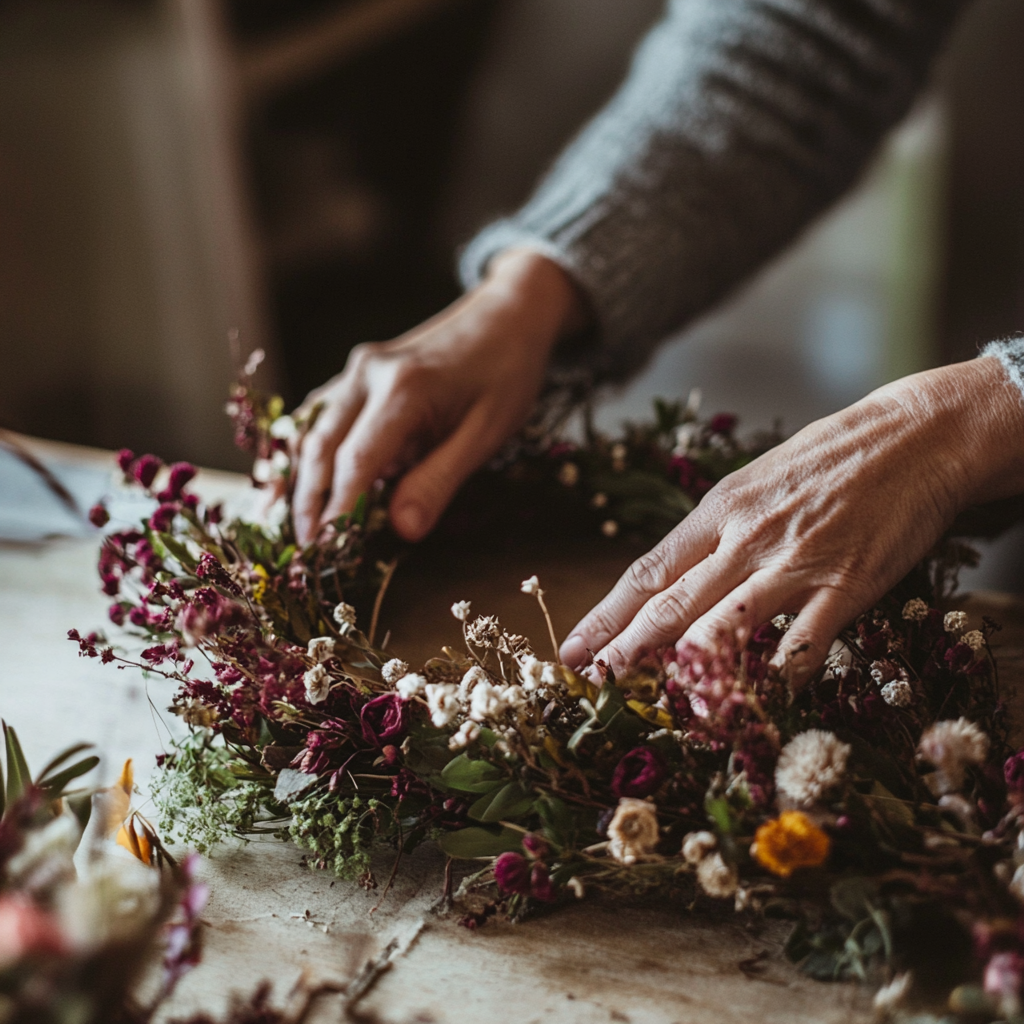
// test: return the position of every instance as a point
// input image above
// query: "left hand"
(821, 526)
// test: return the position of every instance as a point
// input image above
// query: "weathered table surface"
(270, 917)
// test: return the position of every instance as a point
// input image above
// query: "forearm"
(740, 121)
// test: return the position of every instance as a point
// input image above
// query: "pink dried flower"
(723, 423)
(163, 517)
(383, 719)
(638, 774)
(512, 873)
(98, 515)
(181, 473)
(145, 469)
(125, 458)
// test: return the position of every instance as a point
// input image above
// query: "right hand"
(440, 399)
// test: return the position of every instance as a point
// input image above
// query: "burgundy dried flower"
(723, 423)
(146, 468)
(638, 774)
(181, 474)
(540, 884)
(535, 846)
(116, 614)
(98, 515)
(125, 458)
(161, 519)
(1013, 770)
(685, 470)
(512, 873)
(111, 584)
(383, 719)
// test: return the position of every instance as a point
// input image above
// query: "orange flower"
(791, 841)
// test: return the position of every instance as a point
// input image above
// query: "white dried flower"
(954, 622)
(320, 648)
(717, 878)
(879, 670)
(284, 428)
(280, 463)
(633, 831)
(811, 764)
(263, 471)
(317, 683)
(951, 746)
(897, 693)
(461, 610)
(686, 437)
(610, 528)
(466, 734)
(531, 671)
(484, 631)
(599, 500)
(393, 670)
(488, 701)
(915, 610)
(551, 676)
(410, 685)
(889, 997)
(975, 639)
(697, 845)
(475, 675)
(569, 474)
(443, 703)
(783, 622)
(575, 884)
(530, 586)
(345, 616)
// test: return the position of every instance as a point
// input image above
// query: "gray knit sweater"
(739, 122)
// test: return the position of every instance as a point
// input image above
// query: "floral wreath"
(880, 804)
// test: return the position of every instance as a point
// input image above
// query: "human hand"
(440, 399)
(821, 526)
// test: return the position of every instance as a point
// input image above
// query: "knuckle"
(360, 356)
(669, 608)
(648, 573)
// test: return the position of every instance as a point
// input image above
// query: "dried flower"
(488, 701)
(789, 842)
(951, 746)
(530, 586)
(610, 528)
(890, 996)
(512, 873)
(410, 685)
(1013, 771)
(633, 831)
(954, 622)
(145, 469)
(974, 639)
(317, 683)
(531, 671)
(284, 428)
(722, 423)
(393, 670)
(473, 676)
(443, 702)
(569, 474)
(320, 648)
(898, 693)
(461, 610)
(1004, 979)
(466, 734)
(638, 774)
(697, 845)
(810, 765)
(180, 474)
(484, 631)
(717, 878)
(915, 610)
(98, 515)
(383, 720)
(345, 616)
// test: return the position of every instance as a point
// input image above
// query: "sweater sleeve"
(739, 122)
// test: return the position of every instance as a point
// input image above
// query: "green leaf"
(468, 776)
(18, 774)
(285, 557)
(507, 803)
(179, 551)
(468, 843)
(55, 786)
(60, 759)
(359, 512)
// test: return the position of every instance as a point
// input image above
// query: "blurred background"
(303, 171)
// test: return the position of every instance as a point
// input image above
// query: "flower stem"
(551, 628)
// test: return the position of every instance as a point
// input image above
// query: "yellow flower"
(259, 588)
(791, 841)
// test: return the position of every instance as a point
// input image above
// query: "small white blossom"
(569, 474)
(283, 428)
(811, 764)
(317, 683)
(263, 471)
(783, 622)
(897, 693)
(531, 671)
(321, 648)
(345, 616)
(530, 586)
(484, 631)
(443, 702)
(633, 831)
(599, 500)
(717, 878)
(610, 528)
(951, 746)
(686, 437)
(461, 610)
(551, 676)
(975, 639)
(475, 675)
(393, 670)
(466, 734)
(410, 685)
(697, 845)
(280, 463)
(888, 997)
(955, 622)
(514, 696)
(487, 702)
(879, 670)
(915, 610)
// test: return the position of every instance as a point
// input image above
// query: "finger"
(666, 616)
(426, 490)
(807, 641)
(377, 439)
(694, 540)
(734, 619)
(315, 468)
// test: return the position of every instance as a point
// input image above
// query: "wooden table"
(271, 917)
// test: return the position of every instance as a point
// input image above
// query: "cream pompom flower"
(810, 765)
(951, 746)
(633, 831)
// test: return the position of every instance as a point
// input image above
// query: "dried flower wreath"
(881, 808)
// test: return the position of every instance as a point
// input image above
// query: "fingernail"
(411, 521)
(574, 651)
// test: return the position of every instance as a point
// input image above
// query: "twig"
(382, 590)
(11, 444)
